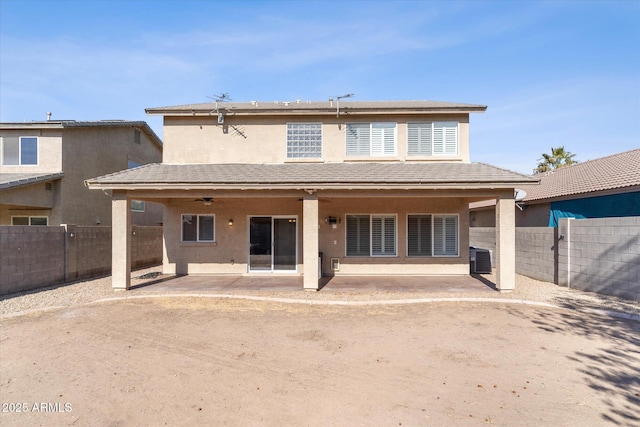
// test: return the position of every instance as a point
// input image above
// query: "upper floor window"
(23, 151)
(304, 140)
(432, 139)
(371, 139)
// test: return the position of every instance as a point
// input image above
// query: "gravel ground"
(527, 289)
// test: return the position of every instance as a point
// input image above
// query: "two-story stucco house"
(43, 166)
(379, 188)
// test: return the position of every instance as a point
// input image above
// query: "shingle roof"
(316, 175)
(11, 180)
(613, 172)
(57, 124)
(319, 107)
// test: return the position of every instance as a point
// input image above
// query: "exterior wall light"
(230, 222)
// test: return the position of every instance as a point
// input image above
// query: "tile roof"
(57, 124)
(306, 107)
(11, 180)
(613, 172)
(325, 175)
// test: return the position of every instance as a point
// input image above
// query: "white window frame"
(373, 217)
(30, 218)
(438, 252)
(374, 147)
(197, 217)
(427, 137)
(298, 141)
(20, 163)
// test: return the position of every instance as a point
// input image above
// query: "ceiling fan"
(207, 201)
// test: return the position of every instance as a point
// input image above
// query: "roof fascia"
(28, 125)
(301, 186)
(585, 195)
(315, 111)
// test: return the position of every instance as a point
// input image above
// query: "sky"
(552, 73)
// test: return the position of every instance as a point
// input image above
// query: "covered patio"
(293, 284)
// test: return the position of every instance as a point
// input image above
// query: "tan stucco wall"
(31, 200)
(229, 254)
(92, 152)
(80, 153)
(532, 216)
(263, 139)
(49, 150)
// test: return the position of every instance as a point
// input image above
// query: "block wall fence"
(595, 255)
(33, 257)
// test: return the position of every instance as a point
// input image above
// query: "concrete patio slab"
(273, 283)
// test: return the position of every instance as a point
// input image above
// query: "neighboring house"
(378, 188)
(600, 188)
(43, 166)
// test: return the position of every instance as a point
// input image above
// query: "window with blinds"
(371, 139)
(432, 139)
(419, 235)
(432, 235)
(371, 235)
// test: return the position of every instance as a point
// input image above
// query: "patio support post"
(121, 241)
(310, 243)
(506, 243)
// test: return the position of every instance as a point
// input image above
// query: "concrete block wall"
(30, 257)
(34, 257)
(485, 238)
(536, 252)
(601, 255)
(595, 255)
(146, 246)
(93, 251)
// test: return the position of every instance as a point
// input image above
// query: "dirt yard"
(203, 361)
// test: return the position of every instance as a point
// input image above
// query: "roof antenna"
(338, 98)
(223, 97)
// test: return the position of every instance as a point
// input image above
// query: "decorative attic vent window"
(136, 136)
(432, 139)
(371, 139)
(304, 140)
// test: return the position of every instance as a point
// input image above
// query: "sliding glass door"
(272, 244)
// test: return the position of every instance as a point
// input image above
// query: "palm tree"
(558, 158)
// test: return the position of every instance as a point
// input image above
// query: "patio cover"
(347, 175)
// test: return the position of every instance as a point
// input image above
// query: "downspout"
(569, 253)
